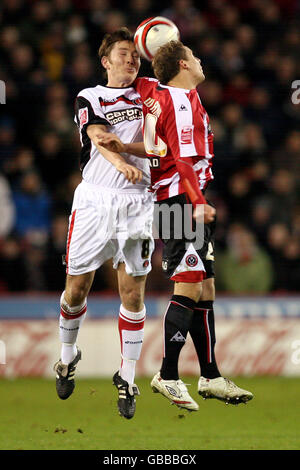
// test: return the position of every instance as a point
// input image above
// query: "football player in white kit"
(111, 218)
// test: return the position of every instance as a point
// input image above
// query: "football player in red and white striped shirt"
(179, 142)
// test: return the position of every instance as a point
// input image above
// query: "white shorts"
(107, 224)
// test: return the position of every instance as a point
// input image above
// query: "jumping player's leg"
(131, 320)
(133, 264)
(177, 320)
(72, 313)
(202, 330)
(182, 264)
(211, 384)
(73, 305)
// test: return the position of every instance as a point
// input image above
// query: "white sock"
(127, 370)
(131, 329)
(70, 321)
(68, 352)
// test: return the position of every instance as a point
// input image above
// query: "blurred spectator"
(9, 38)
(63, 197)
(80, 74)
(12, 265)
(230, 60)
(269, 21)
(76, 32)
(228, 20)
(57, 93)
(246, 37)
(260, 111)
(54, 271)
(238, 90)
(53, 161)
(7, 142)
(278, 238)
(13, 11)
(21, 162)
(239, 197)
(139, 10)
(244, 268)
(63, 9)
(228, 158)
(115, 19)
(207, 47)
(261, 218)
(181, 12)
(288, 155)
(211, 93)
(34, 256)
(22, 61)
(41, 17)
(53, 51)
(250, 144)
(283, 197)
(289, 270)
(7, 208)
(278, 235)
(33, 205)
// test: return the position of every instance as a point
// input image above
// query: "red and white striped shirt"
(176, 127)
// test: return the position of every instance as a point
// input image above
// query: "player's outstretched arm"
(203, 212)
(112, 142)
(131, 173)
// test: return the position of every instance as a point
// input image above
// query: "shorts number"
(210, 252)
(145, 249)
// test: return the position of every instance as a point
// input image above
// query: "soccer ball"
(153, 33)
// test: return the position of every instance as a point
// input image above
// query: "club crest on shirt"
(186, 136)
(191, 260)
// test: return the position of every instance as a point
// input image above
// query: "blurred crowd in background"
(250, 52)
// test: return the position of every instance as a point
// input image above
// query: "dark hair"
(166, 61)
(109, 40)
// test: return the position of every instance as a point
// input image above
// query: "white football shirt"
(120, 109)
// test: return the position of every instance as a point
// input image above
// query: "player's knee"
(75, 294)
(132, 299)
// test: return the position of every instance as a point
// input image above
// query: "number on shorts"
(145, 249)
(210, 252)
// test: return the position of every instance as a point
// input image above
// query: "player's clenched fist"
(204, 213)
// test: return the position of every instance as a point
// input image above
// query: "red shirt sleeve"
(190, 181)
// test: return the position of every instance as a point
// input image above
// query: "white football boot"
(223, 389)
(175, 391)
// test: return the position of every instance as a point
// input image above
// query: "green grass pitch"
(32, 417)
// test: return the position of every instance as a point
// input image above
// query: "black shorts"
(184, 258)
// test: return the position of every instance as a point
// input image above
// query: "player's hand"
(111, 142)
(204, 213)
(131, 173)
